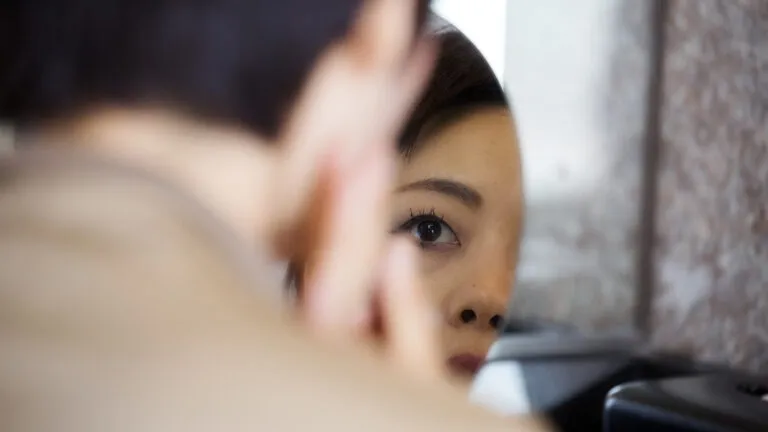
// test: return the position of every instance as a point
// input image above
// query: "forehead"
(479, 148)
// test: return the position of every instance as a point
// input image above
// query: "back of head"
(237, 61)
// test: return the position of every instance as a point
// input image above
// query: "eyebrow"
(466, 194)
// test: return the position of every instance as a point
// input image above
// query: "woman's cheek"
(436, 259)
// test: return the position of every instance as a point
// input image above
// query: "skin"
(181, 342)
(471, 265)
(119, 331)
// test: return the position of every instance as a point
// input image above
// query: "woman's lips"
(465, 364)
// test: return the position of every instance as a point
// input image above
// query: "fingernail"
(401, 260)
(402, 263)
(407, 250)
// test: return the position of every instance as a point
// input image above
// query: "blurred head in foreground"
(129, 331)
(201, 91)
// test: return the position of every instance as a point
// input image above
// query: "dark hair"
(463, 80)
(238, 61)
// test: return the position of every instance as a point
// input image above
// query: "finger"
(311, 132)
(342, 105)
(383, 33)
(410, 322)
(410, 85)
(346, 258)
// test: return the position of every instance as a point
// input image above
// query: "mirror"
(459, 189)
(578, 78)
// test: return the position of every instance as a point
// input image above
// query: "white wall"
(558, 56)
(484, 22)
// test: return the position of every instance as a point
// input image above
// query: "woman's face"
(459, 196)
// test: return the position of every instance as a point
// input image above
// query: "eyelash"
(422, 215)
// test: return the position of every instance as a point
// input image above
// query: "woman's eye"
(431, 231)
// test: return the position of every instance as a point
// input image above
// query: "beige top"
(124, 306)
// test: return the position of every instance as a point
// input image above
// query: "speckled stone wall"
(711, 279)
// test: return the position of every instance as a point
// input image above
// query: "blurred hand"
(340, 149)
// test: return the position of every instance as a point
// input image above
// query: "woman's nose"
(477, 312)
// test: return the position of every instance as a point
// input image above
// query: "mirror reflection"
(459, 196)
(578, 78)
(578, 75)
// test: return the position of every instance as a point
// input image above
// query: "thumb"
(409, 319)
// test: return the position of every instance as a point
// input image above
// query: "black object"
(726, 402)
(537, 367)
(516, 326)
(555, 370)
